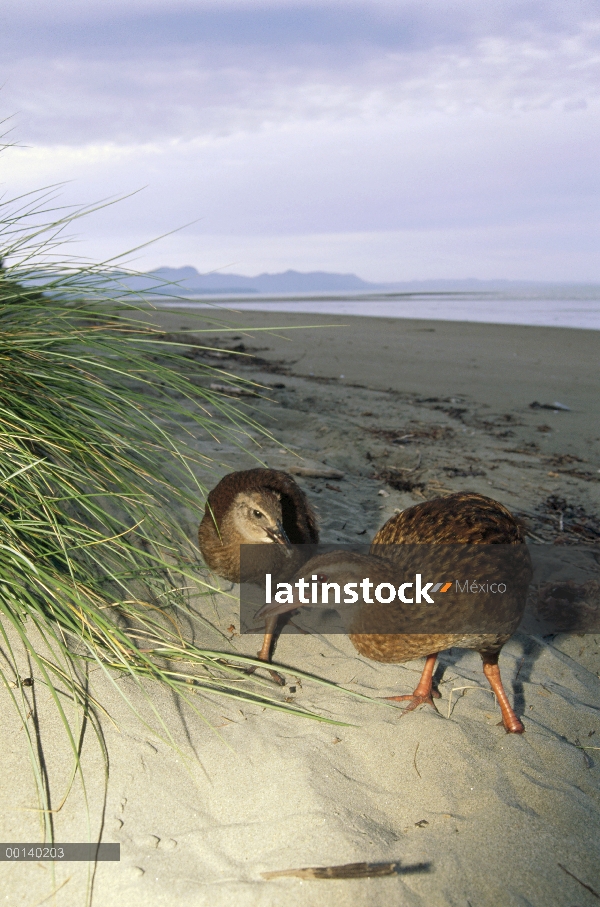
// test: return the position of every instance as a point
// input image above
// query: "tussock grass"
(95, 567)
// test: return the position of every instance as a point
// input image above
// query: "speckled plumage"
(462, 518)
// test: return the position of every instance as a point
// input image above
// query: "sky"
(404, 140)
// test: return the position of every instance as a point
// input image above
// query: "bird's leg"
(492, 672)
(265, 652)
(424, 691)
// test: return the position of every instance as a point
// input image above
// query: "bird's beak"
(275, 608)
(278, 535)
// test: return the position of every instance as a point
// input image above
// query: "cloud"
(274, 123)
(305, 176)
(146, 71)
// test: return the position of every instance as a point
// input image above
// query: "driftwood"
(553, 406)
(315, 472)
(234, 390)
(345, 871)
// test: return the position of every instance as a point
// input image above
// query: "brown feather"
(457, 518)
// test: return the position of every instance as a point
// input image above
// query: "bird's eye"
(321, 578)
(257, 514)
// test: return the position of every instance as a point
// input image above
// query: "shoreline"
(579, 313)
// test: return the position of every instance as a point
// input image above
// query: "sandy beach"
(403, 411)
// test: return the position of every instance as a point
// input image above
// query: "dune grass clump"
(95, 567)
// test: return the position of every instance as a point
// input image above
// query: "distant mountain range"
(188, 281)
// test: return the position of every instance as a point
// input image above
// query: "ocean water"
(553, 307)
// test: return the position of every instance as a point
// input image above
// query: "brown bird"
(482, 622)
(257, 507)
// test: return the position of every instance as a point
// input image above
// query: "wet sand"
(500, 367)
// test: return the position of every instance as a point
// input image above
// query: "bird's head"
(257, 518)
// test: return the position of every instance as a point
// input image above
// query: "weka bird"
(256, 507)
(450, 523)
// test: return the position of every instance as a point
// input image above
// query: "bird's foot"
(416, 699)
(277, 678)
(512, 725)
